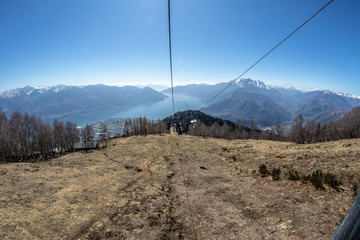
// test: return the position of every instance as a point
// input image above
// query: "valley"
(179, 187)
(179, 120)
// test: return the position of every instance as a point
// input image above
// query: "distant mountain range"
(244, 100)
(59, 101)
(249, 99)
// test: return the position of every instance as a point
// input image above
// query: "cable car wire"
(238, 78)
(171, 71)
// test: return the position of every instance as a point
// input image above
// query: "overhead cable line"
(238, 78)
(171, 72)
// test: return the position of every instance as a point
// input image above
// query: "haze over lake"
(154, 111)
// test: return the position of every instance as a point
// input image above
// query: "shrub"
(263, 170)
(275, 173)
(317, 179)
(332, 180)
(294, 175)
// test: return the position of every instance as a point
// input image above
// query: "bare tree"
(350, 124)
(3, 136)
(212, 131)
(238, 129)
(253, 126)
(297, 131)
(104, 133)
(142, 122)
(46, 140)
(226, 131)
(312, 131)
(330, 131)
(135, 127)
(161, 127)
(26, 137)
(279, 129)
(59, 135)
(88, 135)
(33, 127)
(265, 134)
(29, 136)
(71, 135)
(36, 134)
(14, 143)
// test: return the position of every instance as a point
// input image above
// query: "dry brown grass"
(153, 188)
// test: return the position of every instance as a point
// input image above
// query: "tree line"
(142, 126)
(196, 123)
(230, 131)
(310, 131)
(301, 130)
(25, 137)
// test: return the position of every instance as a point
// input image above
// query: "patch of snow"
(10, 93)
(302, 89)
(246, 82)
(58, 88)
(42, 88)
(348, 95)
(16, 92)
(29, 90)
(290, 87)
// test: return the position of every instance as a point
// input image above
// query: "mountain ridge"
(243, 82)
(244, 100)
(61, 100)
(249, 99)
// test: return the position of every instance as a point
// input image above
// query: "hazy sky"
(119, 42)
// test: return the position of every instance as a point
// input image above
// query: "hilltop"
(179, 187)
(184, 120)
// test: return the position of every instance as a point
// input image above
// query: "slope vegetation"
(178, 187)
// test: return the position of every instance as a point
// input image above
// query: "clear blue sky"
(119, 42)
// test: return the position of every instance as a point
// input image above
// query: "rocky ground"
(179, 187)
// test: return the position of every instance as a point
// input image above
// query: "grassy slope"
(153, 187)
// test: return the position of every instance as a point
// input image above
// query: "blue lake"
(154, 111)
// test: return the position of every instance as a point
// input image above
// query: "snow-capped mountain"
(59, 101)
(249, 99)
(245, 100)
(28, 90)
(247, 82)
(16, 92)
(348, 95)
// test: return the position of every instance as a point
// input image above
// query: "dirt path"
(205, 196)
(174, 187)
